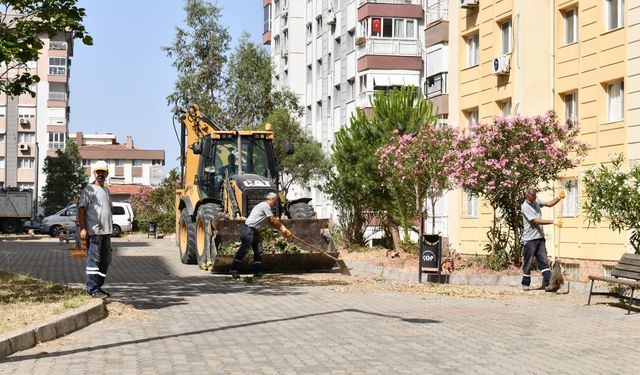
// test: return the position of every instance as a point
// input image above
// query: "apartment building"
(579, 58)
(129, 167)
(33, 127)
(335, 54)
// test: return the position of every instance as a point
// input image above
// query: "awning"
(387, 80)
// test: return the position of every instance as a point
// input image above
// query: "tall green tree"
(65, 178)
(22, 24)
(199, 54)
(354, 152)
(308, 163)
(248, 94)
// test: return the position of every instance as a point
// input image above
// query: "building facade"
(32, 128)
(127, 165)
(475, 59)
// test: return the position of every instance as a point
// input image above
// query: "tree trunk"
(395, 233)
(433, 216)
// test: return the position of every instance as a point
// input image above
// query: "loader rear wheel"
(206, 249)
(301, 210)
(187, 238)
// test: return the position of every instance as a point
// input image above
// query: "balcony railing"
(436, 85)
(391, 46)
(57, 95)
(415, 2)
(437, 12)
(57, 45)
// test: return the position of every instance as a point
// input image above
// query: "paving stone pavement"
(203, 323)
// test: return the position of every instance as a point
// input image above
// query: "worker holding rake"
(533, 237)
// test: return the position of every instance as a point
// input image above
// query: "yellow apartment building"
(579, 58)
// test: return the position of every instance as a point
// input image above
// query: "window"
(615, 99)
(570, 203)
(26, 138)
(157, 162)
(117, 210)
(86, 162)
(362, 80)
(571, 107)
(57, 66)
(336, 46)
(56, 141)
(571, 26)
(267, 18)
(2, 138)
(319, 111)
(119, 162)
(318, 26)
(351, 89)
(472, 117)
(336, 93)
(473, 51)
(319, 69)
(1, 161)
(506, 37)
(471, 205)
(136, 162)
(505, 108)
(26, 162)
(351, 41)
(136, 179)
(309, 33)
(389, 27)
(3, 111)
(614, 14)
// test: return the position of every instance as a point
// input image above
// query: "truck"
(217, 194)
(15, 206)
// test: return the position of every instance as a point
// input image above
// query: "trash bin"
(152, 229)
(430, 256)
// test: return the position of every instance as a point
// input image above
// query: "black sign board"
(430, 255)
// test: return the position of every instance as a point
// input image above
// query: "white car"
(65, 219)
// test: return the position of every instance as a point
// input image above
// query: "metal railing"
(415, 2)
(53, 95)
(57, 45)
(391, 46)
(436, 85)
(437, 12)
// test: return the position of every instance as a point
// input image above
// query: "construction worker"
(533, 237)
(96, 223)
(250, 234)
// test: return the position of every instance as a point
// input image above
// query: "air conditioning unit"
(24, 147)
(285, 11)
(469, 3)
(331, 17)
(501, 65)
(24, 121)
(284, 53)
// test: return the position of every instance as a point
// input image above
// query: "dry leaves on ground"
(119, 311)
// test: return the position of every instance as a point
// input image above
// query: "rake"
(341, 265)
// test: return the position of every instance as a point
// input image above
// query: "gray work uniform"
(250, 237)
(97, 203)
(534, 243)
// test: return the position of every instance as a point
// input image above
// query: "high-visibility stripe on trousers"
(98, 260)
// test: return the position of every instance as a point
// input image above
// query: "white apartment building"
(335, 54)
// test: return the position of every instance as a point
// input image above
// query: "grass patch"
(25, 300)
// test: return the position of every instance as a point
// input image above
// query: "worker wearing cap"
(250, 234)
(96, 223)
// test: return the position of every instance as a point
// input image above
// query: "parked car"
(65, 219)
(33, 225)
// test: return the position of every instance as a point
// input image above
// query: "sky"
(119, 84)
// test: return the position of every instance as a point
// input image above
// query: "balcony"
(390, 46)
(61, 96)
(57, 46)
(413, 2)
(437, 11)
(436, 85)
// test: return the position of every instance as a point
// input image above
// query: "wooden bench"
(626, 272)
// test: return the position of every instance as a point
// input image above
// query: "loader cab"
(224, 156)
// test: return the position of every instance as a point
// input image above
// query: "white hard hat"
(101, 165)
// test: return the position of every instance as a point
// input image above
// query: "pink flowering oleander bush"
(498, 161)
(613, 195)
(412, 168)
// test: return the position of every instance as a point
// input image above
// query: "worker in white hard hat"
(96, 223)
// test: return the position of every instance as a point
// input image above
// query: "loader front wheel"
(301, 210)
(206, 249)
(187, 238)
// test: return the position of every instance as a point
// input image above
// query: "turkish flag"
(375, 25)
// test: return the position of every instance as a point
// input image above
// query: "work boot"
(525, 288)
(258, 274)
(235, 274)
(104, 292)
(549, 288)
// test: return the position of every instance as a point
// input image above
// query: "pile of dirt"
(119, 311)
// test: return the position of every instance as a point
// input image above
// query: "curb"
(475, 280)
(51, 330)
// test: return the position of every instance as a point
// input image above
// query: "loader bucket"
(313, 231)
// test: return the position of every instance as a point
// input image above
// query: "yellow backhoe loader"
(224, 174)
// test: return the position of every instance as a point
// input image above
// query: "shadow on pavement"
(219, 329)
